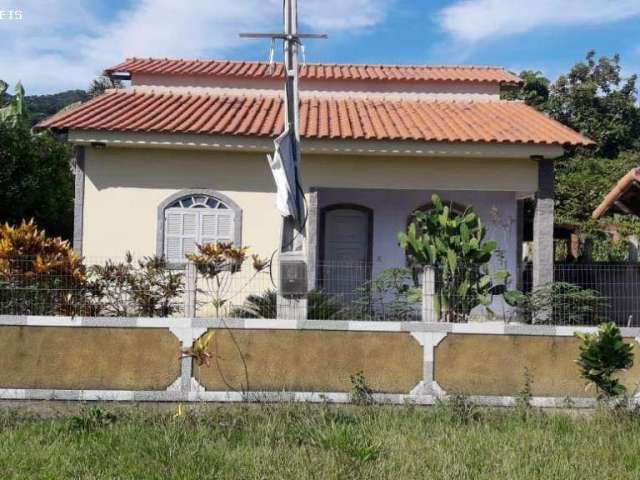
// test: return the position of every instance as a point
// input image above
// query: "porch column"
(543, 224)
(520, 242)
(312, 238)
(78, 202)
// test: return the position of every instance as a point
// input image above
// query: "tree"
(15, 113)
(534, 90)
(102, 84)
(594, 99)
(35, 180)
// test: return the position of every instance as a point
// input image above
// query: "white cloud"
(475, 20)
(340, 14)
(65, 43)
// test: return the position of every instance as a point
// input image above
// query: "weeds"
(361, 394)
(459, 409)
(94, 418)
(523, 399)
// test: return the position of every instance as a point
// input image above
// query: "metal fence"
(582, 294)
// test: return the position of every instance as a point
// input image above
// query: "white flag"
(282, 166)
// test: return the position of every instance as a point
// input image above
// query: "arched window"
(196, 217)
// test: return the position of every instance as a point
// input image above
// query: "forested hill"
(42, 106)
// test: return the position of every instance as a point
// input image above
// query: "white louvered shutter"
(184, 227)
(181, 233)
(189, 232)
(173, 236)
(217, 226)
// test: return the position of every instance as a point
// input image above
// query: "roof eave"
(630, 180)
(264, 144)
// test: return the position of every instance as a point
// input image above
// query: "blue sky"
(62, 44)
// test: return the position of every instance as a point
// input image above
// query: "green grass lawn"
(318, 442)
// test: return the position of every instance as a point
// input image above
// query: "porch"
(353, 232)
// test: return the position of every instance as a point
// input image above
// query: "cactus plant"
(454, 244)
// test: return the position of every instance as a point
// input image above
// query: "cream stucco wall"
(124, 187)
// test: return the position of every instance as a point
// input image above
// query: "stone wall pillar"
(78, 203)
(312, 238)
(543, 224)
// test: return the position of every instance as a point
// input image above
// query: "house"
(623, 198)
(178, 158)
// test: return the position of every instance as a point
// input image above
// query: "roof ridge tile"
(338, 71)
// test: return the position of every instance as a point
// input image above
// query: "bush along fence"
(452, 275)
(469, 293)
(190, 359)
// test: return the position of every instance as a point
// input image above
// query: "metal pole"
(292, 259)
(292, 96)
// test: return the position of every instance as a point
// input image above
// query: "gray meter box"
(293, 278)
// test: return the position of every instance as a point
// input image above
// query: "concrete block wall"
(140, 359)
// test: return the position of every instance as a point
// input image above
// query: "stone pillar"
(428, 294)
(543, 224)
(78, 202)
(520, 247)
(190, 289)
(312, 238)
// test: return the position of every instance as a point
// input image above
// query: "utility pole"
(285, 165)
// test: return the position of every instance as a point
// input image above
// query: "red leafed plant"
(39, 274)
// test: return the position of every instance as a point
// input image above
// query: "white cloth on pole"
(282, 165)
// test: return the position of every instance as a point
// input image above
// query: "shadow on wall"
(178, 169)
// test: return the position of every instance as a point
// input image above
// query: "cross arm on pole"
(284, 36)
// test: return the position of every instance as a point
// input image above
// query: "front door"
(346, 249)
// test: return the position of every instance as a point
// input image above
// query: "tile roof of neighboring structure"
(321, 118)
(624, 197)
(397, 73)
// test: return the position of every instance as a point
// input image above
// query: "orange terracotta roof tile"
(321, 118)
(624, 197)
(239, 69)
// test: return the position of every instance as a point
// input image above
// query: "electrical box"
(293, 278)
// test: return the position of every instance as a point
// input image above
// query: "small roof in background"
(165, 111)
(623, 198)
(394, 73)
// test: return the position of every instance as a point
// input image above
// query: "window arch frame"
(165, 204)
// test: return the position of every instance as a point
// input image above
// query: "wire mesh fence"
(582, 294)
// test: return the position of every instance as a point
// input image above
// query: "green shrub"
(558, 303)
(146, 288)
(320, 306)
(454, 244)
(393, 295)
(602, 356)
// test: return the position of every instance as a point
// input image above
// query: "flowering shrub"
(218, 263)
(39, 275)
